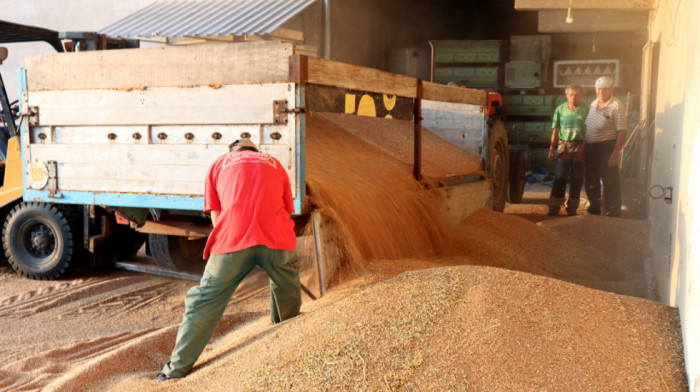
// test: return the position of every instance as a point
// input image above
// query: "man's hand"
(582, 153)
(614, 159)
(553, 145)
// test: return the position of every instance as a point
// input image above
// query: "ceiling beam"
(537, 5)
(623, 38)
(592, 21)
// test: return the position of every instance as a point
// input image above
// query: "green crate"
(529, 131)
(474, 77)
(463, 72)
(533, 100)
(465, 57)
(539, 105)
(468, 51)
(510, 100)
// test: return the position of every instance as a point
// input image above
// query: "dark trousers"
(597, 169)
(569, 167)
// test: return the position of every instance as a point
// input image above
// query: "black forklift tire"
(38, 241)
(518, 170)
(498, 165)
(177, 253)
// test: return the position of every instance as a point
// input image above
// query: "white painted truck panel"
(232, 104)
(159, 141)
(459, 124)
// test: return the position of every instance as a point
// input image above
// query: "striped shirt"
(602, 124)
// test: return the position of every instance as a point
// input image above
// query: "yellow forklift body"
(11, 189)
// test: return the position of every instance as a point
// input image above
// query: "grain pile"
(440, 159)
(493, 304)
(593, 251)
(455, 328)
(371, 196)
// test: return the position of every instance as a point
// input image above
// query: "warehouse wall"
(676, 163)
(374, 33)
(74, 15)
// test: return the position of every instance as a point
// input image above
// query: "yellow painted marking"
(349, 103)
(367, 107)
(389, 102)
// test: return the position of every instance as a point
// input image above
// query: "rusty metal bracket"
(280, 111)
(52, 185)
(32, 115)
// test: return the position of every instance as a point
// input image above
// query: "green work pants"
(205, 304)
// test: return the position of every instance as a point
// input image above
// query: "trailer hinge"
(30, 112)
(32, 115)
(280, 111)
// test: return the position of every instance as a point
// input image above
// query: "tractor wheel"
(38, 241)
(498, 165)
(177, 253)
(518, 168)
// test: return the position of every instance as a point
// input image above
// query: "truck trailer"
(114, 145)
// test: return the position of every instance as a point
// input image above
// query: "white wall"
(60, 15)
(675, 227)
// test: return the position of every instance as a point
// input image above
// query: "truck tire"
(518, 169)
(38, 241)
(498, 165)
(177, 253)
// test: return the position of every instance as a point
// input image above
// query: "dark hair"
(247, 149)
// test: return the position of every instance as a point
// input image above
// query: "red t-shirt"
(252, 191)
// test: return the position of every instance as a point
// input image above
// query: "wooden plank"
(288, 35)
(298, 69)
(209, 64)
(140, 187)
(228, 104)
(145, 134)
(592, 21)
(167, 172)
(184, 229)
(125, 154)
(354, 77)
(339, 100)
(460, 201)
(159, 169)
(525, 5)
(330, 255)
(439, 92)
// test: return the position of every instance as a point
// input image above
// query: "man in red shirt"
(249, 197)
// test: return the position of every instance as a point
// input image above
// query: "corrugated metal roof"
(207, 18)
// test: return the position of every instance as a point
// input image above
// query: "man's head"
(243, 145)
(574, 94)
(604, 88)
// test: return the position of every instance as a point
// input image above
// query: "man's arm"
(214, 217)
(555, 143)
(615, 157)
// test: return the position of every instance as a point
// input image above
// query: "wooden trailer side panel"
(210, 64)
